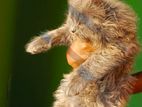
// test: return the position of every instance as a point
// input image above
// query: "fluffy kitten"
(103, 79)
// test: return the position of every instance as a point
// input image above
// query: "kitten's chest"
(78, 52)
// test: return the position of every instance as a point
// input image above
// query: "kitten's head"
(110, 20)
(81, 17)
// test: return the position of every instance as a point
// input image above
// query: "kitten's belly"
(78, 52)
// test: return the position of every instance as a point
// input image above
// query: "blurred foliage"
(35, 78)
(7, 13)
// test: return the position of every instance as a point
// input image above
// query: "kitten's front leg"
(45, 41)
(37, 45)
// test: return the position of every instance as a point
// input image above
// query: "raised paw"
(37, 45)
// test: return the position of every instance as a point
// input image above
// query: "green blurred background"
(29, 81)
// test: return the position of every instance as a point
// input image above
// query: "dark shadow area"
(35, 78)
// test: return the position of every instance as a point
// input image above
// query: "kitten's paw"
(37, 45)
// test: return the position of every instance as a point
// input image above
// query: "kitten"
(103, 79)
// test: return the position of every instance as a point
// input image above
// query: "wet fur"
(103, 80)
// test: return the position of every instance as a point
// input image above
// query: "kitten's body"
(103, 80)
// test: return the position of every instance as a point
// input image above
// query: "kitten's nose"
(73, 30)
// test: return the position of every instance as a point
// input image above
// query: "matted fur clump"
(103, 79)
